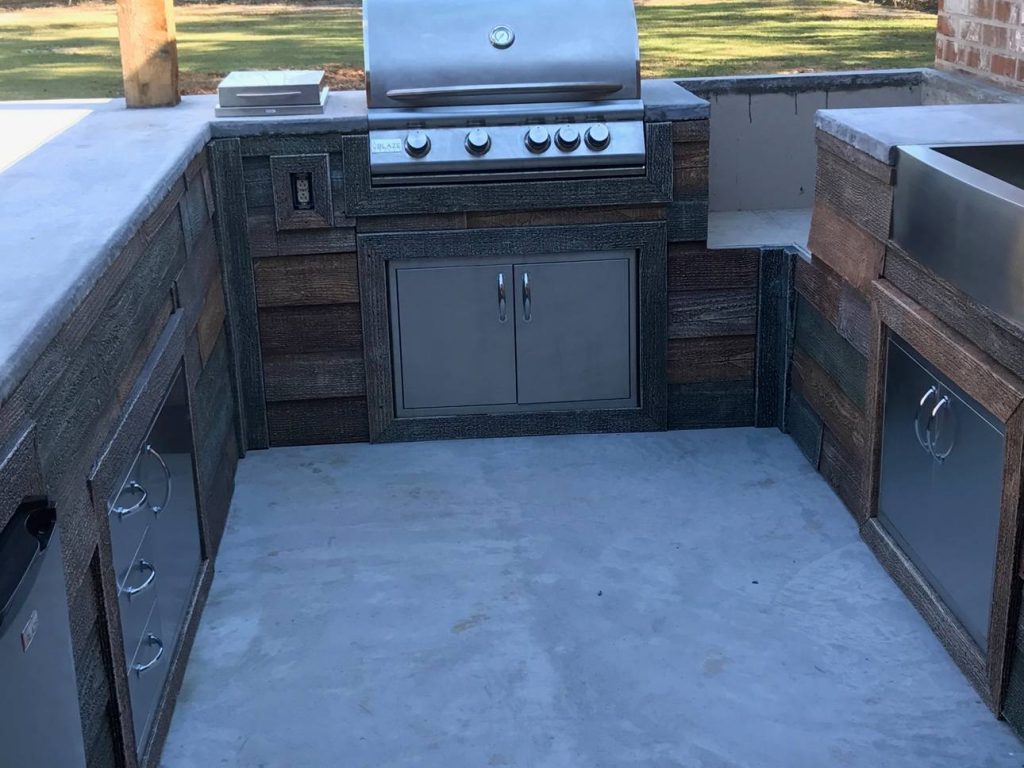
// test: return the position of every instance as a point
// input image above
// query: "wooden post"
(149, 52)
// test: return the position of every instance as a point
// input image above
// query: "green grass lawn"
(72, 52)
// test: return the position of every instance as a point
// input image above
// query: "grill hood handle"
(501, 89)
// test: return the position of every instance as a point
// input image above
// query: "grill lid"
(469, 52)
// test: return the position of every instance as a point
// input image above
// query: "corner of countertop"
(666, 100)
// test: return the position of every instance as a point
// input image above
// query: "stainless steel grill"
(472, 90)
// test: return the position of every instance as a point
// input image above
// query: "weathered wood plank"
(711, 404)
(265, 240)
(843, 471)
(863, 199)
(837, 301)
(240, 291)
(805, 427)
(992, 385)
(298, 330)
(844, 364)
(149, 52)
(411, 222)
(883, 172)
(697, 314)
(693, 267)
(314, 376)
(873, 412)
(304, 144)
(691, 130)
(988, 330)
(826, 398)
(687, 220)
(854, 253)
(775, 311)
(722, 358)
(330, 278)
(211, 320)
(316, 422)
(597, 215)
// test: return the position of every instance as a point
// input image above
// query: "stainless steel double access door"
(535, 333)
(941, 484)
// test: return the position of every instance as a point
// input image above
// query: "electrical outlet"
(302, 191)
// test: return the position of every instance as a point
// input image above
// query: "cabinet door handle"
(143, 565)
(502, 311)
(527, 303)
(135, 487)
(151, 639)
(158, 508)
(925, 439)
(944, 402)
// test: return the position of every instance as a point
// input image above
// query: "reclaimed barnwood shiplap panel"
(993, 386)
(850, 250)
(299, 330)
(696, 314)
(720, 358)
(711, 404)
(298, 144)
(774, 341)
(411, 222)
(693, 267)
(837, 301)
(687, 220)
(691, 130)
(240, 291)
(873, 414)
(329, 278)
(210, 323)
(862, 198)
(314, 375)
(826, 398)
(690, 170)
(844, 364)
(987, 329)
(843, 471)
(265, 240)
(315, 422)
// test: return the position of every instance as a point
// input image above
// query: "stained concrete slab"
(695, 599)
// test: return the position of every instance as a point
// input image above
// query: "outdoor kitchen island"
(186, 248)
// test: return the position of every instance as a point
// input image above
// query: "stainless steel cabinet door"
(574, 331)
(455, 344)
(966, 500)
(940, 486)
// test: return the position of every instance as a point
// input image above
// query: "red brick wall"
(982, 37)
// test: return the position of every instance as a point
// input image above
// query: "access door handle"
(924, 439)
(158, 508)
(502, 304)
(151, 639)
(143, 565)
(936, 430)
(527, 301)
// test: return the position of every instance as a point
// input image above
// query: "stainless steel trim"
(502, 307)
(503, 89)
(527, 299)
(550, 113)
(150, 639)
(135, 487)
(142, 565)
(167, 474)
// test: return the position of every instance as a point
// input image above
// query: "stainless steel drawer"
(147, 672)
(137, 589)
(130, 514)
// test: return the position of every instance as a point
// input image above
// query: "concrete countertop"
(879, 131)
(78, 178)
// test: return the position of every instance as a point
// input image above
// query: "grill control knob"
(598, 137)
(478, 142)
(567, 138)
(417, 144)
(538, 139)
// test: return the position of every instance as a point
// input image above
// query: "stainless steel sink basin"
(960, 212)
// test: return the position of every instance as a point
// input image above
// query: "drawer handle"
(527, 301)
(502, 305)
(143, 565)
(924, 440)
(937, 433)
(134, 487)
(151, 639)
(157, 509)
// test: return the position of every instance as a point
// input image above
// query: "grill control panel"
(535, 148)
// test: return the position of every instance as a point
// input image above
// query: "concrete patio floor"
(696, 599)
